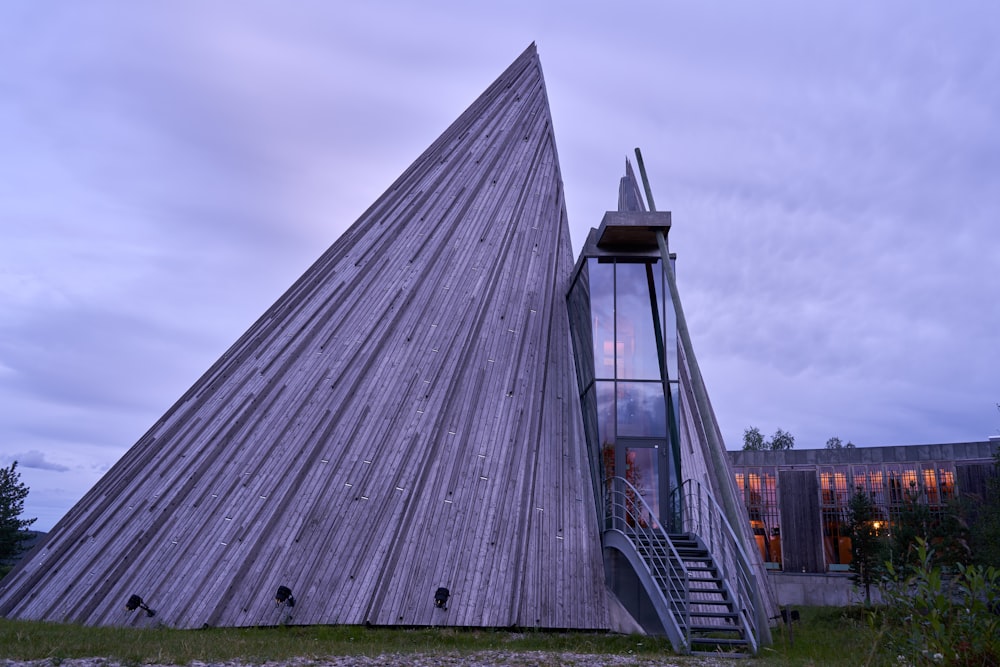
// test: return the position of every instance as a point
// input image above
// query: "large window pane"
(641, 409)
(642, 473)
(669, 324)
(602, 313)
(638, 358)
(606, 425)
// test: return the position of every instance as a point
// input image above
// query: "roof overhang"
(633, 230)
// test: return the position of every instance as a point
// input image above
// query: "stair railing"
(701, 514)
(629, 515)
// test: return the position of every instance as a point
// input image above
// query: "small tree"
(867, 547)
(837, 443)
(13, 531)
(943, 528)
(753, 440)
(782, 440)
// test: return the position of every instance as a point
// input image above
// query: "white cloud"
(36, 459)
(167, 174)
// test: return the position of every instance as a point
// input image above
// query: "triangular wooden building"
(401, 440)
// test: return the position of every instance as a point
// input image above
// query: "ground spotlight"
(284, 596)
(135, 602)
(441, 598)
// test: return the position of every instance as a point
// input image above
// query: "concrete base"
(830, 590)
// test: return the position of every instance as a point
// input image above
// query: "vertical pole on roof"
(716, 449)
(673, 426)
(645, 181)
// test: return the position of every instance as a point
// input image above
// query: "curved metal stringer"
(697, 580)
(631, 530)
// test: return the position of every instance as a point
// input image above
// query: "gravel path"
(482, 659)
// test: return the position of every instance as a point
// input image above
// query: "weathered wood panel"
(974, 478)
(801, 528)
(402, 418)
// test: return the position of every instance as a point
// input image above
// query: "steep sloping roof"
(404, 417)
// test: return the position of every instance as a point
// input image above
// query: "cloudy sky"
(833, 169)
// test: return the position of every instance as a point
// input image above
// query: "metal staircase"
(702, 597)
(715, 623)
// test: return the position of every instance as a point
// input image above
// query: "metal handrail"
(627, 512)
(701, 515)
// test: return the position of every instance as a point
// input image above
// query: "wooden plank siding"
(801, 521)
(404, 417)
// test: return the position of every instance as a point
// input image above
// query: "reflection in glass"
(640, 471)
(606, 425)
(638, 357)
(669, 324)
(602, 313)
(617, 308)
(641, 409)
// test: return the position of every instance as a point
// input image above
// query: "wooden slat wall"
(974, 478)
(801, 524)
(404, 417)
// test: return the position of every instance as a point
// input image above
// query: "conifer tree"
(13, 529)
(867, 546)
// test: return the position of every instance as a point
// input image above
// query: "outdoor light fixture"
(135, 602)
(788, 615)
(284, 596)
(441, 598)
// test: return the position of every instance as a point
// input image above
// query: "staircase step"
(706, 635)
(712, 614)
(722, 641)
(722, 624)
(721, 615)
(690, 582)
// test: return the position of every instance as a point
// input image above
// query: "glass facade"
(624, 335)
(759, 489)
(890, 486)
(835, 494)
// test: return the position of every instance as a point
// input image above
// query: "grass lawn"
(824, 636)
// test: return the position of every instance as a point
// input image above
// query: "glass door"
(642, 462)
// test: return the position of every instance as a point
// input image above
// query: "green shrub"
(937, 617)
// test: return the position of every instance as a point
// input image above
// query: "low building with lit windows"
(797, 500)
